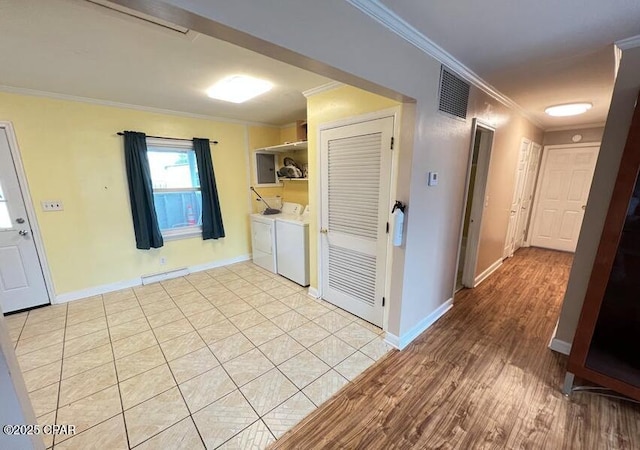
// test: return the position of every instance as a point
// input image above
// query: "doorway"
(355, 161)
(22, 281)
(476, 185)
(561, 196)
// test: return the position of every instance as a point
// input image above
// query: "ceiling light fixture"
(570, 109)
(238, 88)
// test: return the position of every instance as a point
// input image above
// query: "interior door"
(565, 180)
(21, 279)
(527, 196)
(516, 201)
(356, 175)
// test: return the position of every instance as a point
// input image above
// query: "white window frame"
(173, 145)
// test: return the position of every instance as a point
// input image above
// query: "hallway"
(481, 377)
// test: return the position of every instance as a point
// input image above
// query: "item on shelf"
(291, 169)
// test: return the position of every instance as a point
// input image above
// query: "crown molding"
(99, 102)
(628, 43)
(585, 126)
(393, 22)
(323, 88)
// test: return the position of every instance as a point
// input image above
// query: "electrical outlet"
(52, 205)
(163, 260)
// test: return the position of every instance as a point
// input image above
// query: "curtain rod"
(120, 133)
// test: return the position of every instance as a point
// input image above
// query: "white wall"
(564, 136)
(615, 134)
(336, 40)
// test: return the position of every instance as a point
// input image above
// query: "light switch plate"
(433, 179)
(52, 205)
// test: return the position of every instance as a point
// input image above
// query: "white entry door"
(565, 181)
(356, 175)
(21, 279)
(516, 201)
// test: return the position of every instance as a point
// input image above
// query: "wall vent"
(454, 94)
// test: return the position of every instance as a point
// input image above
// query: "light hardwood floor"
(481, 377)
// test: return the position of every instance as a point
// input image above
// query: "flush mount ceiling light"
(570, 109)
(238, 88)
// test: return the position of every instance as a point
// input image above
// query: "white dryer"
(292, 242)
(263, 236)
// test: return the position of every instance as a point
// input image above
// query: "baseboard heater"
(155, 277)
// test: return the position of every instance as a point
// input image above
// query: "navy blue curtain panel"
(145, 221)
(212, 227)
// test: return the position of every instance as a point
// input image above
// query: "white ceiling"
(77, 48)
(539, 52)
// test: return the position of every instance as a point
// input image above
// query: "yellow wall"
(329, 106)
(288, 134)
(71, 153)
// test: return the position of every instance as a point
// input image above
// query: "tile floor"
(229, 358)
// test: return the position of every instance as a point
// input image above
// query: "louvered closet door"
(356, 174)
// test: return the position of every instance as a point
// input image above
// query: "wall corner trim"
(392, 340)
(125, 284)
(628, 43)
(393, 22)
(559, 346)
(404, 340)
(487, 273)
(323, 88)
(313, 292)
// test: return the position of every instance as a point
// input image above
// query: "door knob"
(23, 232)
(323, 230)
(584, 207)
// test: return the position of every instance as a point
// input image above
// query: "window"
(176, 187)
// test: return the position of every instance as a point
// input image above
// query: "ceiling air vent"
(454, 94)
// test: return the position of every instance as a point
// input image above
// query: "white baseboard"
(216, 264)
(484, 275)
(97, 290)
(313, 292)
(162, 276)
(559, 346)
(404, 340)
(118, 285)
(392, 340)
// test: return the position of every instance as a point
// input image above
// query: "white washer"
(292, 242)
(263, 236)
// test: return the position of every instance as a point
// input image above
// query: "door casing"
(7, 126)
(389, 112)
(543, 160)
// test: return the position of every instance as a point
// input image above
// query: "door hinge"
(387, 227)
(391, 142)
(383, 301)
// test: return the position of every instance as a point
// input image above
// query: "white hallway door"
(527, 197)
(21, 279)
(356, 176)
(516, 201)
(565, 181)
